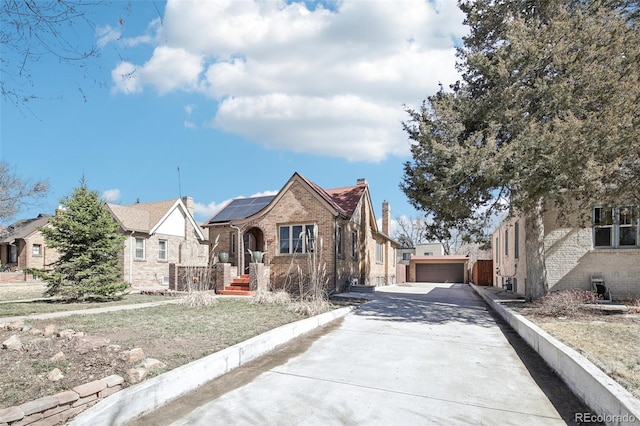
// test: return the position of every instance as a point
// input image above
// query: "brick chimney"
(386, 217)
(188, 202)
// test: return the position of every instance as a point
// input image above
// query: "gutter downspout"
(240, 251)
(131, 249)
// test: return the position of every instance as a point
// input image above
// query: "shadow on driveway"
(438, 305)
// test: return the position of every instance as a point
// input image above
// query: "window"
(339, 241)
(354, 244)
(139, 253)
(615, 227)
(163, 248)
(628, 224)
(36, 250)
(297, 239)
(506, 242)
(497, 246)
(379, 253)
(406, 256)
(516, 240)
(232, 242)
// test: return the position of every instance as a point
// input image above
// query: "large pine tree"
(548, 109)
(86, 236)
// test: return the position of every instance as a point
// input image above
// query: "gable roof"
(347, 198)
(341, 201)
(146, 217)
(23, 228)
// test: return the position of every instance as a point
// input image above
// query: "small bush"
(565, 303)
(311, 307)
(266, 297)
(198, 298)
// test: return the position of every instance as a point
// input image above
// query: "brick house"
(159, 234)
(22, 244)
(607, 248)
(338, 225)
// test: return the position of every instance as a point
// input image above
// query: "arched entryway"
(253, 240)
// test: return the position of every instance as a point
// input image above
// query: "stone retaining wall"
(57, 409)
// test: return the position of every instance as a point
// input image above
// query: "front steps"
(238, 287)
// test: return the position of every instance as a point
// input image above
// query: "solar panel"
(241, 208)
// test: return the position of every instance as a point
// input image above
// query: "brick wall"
(152, 271)
(570, 258)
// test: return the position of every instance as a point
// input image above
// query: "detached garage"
(439, 269)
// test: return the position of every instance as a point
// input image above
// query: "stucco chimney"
(188, 202)
(362, 181)
(386, 217)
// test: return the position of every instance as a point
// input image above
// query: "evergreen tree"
(548, 110)
(86, 236)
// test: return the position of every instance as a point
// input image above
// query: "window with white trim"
(297, 238)
(36, 250)
(379, 253)
(163, 250)
(139, 248)
(615, 227)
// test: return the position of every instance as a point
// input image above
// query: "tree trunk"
(536, 284)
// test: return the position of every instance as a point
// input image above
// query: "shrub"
(564, 303)
(198, 298)
(266, 297)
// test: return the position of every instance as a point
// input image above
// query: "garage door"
(440, 272)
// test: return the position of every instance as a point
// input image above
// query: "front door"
(249, 243)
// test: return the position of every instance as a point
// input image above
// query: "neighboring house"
(158, 234)
(22, 244)
(608, 248)
(338, 225)
(403, 254)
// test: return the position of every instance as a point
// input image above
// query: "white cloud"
(336, 80)
(208, 210)
(107, 34)
(111, 195)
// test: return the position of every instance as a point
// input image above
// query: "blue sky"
(238, 95)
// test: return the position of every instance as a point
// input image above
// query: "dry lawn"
(173, 334)
(610, 341)
(21, 290)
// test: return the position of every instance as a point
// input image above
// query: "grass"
(173, 334)
(611, 345)
(41, 307)
(610, 341)
(21, 290)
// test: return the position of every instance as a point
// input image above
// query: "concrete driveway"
(426, 354)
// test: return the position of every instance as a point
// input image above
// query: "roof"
(241, 208)
(347, 198)
(23, 228)
(145, 217)
(343, 200)
(440, 257)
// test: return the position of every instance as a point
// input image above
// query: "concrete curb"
(144, 397)
(611, 403)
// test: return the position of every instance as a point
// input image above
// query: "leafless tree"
(16, 192)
